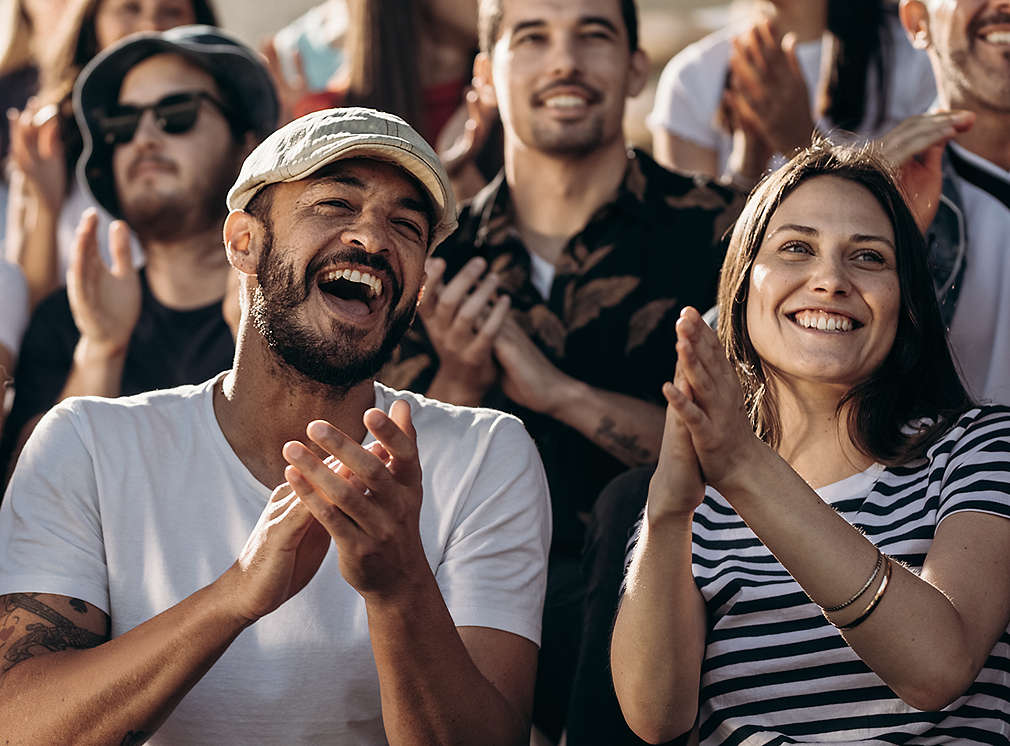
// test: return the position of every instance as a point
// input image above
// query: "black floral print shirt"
(609, 320)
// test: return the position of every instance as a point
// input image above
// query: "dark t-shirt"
(609, 319)
(168, 348)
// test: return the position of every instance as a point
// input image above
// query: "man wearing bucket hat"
(389, 589)
(167, 119)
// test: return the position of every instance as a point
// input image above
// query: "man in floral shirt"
(556, 299)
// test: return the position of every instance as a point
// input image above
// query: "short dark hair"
(490, 14)
(917, 380)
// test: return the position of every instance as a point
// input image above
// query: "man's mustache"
(592, 94)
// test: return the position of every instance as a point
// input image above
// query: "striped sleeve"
(977, 475)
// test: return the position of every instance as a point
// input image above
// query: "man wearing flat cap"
(161, 585)
(167, 119)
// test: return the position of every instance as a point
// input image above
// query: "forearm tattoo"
(623, 445)
(20, 641)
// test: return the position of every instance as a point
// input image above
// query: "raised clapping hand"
(528, 377)
(915, 147)
(768, 94)
(462, 319)
(367, 499)
(37, 152)
(709, 401)
(105, 301)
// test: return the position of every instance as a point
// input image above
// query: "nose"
(364, 233)
(148, 132)
(564, 55)
(830, 277)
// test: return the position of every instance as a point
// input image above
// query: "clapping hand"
(368, 499)
(915, 148)
(105, 301)
(36, 151)
(710, 402)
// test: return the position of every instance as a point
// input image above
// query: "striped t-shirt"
(775, 671)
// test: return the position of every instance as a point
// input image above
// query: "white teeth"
(354, 275)
(565, 102)
(823, 321)
(998, 37)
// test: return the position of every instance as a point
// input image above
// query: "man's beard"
(338, 361)
(179, 214)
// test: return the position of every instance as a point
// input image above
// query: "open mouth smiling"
(824, 321)
(355, 290)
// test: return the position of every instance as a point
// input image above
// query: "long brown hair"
(383, 55)
(861, 40)
(916, 382)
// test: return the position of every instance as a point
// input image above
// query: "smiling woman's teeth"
(822, 321)
(354, 275)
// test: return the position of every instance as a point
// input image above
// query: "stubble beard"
(337, 361)
(577, 141)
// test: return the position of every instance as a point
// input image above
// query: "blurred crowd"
(758, 358)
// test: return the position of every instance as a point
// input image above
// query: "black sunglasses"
(174, 114)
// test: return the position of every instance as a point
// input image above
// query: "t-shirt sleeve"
(977, 476)
(494, 569)
(689, 91)
(50, 524)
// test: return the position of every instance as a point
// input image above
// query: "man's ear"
(915, 18)
(483, 81)
(243, 241)
(638, 75)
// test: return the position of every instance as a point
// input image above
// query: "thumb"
(789, 47)
(119, 249)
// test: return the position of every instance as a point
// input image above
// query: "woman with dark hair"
(729, 102)
(823, 553)
(45, 202)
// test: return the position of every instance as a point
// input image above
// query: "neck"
(263, 404)
(988, 135)
(189, 272)
(815, 437)
(554, 197)
(807, 19)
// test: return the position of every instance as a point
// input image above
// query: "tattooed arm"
(62, 680)
(628, 428)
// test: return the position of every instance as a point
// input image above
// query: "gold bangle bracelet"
(861, 591)
(870, 607)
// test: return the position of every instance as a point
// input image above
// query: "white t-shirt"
(13, 307)
(978, 332)
(691, 86)
(133, 504)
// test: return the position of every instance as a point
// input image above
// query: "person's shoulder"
(701, 55)
(160, 404)
(450, 421)
(679, 190)
(978, 428)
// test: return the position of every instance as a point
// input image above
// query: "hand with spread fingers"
(462, 318)
(915, 148)
(713, 409)
(281, 555)
(768, 93)
(105, 301)
(368, 499)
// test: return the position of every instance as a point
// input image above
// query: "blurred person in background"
(45, 202)
(167, 120)
(955, 165)
(13, 320)
(730, 102)
(407, 57)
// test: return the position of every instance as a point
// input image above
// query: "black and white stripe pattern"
(775, 671)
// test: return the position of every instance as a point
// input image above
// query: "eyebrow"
(583, 21)
(408, 203)
(808, 231)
